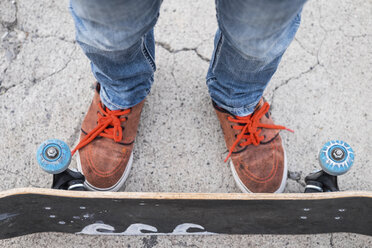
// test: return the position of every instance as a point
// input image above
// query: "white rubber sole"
(244, 189)
(113, 188)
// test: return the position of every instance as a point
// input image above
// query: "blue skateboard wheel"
(336, 157)
(53, 156)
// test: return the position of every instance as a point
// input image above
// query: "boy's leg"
(117, 37)
(250, 41)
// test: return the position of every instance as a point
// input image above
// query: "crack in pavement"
(168, 47)
(287, 81)
(4, 90)
(36, 80)
(311, 68)
(13, 40)
(303, 47)
(36, 36)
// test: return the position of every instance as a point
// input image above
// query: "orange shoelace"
(252, 128)
(109, 118)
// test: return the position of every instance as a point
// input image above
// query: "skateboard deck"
(33, 210)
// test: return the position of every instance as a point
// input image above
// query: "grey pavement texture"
(322, 90)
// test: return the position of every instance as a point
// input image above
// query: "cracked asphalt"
(322, 90)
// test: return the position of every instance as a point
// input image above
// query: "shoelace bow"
(252, 128)
(109, 118)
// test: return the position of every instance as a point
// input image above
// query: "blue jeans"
(117, 36)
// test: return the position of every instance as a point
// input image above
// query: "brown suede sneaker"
(106, 144)
(258, 161)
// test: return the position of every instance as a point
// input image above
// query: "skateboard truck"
(54, 157)
(69, 180)
(336, 158)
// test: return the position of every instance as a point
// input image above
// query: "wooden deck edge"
(186, 196)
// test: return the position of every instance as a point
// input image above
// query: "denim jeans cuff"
(114, 106)
(240, 111)
(107, 102)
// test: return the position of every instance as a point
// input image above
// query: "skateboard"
(68, 208)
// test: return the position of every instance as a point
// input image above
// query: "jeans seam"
(216, 55)
(220, 39)
(147, 55)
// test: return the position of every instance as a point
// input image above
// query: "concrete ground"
(322, 90)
